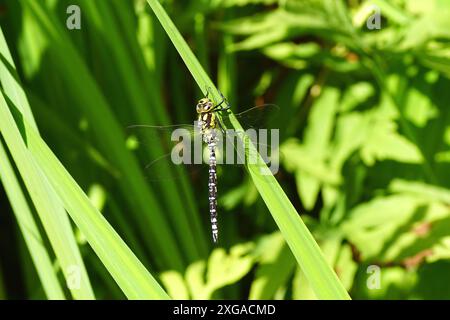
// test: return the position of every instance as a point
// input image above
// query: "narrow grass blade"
(29, 229)
(27, 147)
(52, 214)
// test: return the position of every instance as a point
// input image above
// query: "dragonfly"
(207, 124)
(210, 131)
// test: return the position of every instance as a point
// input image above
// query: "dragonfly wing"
(255, 117)
(163, 148)
(235, 148)
(150, 137)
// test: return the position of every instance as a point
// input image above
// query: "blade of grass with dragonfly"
(302, 244)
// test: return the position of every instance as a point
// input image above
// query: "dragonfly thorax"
(206, 121)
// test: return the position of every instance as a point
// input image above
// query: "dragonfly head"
(204, 105)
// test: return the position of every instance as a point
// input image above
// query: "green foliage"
(221, 269)
(365, 150)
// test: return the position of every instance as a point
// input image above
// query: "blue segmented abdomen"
(212, 187)
(207, 127)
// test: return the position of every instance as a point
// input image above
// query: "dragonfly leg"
(223, 108)
(224, 100)
(208, 90)
(217, 106)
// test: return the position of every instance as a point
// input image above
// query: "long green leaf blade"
(129, 273)
(52, 214)
(29, 229)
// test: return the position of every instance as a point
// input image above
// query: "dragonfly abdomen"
(212, 187)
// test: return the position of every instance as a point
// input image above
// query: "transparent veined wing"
(165, 146)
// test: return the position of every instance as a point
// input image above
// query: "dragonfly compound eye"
(204, 105)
